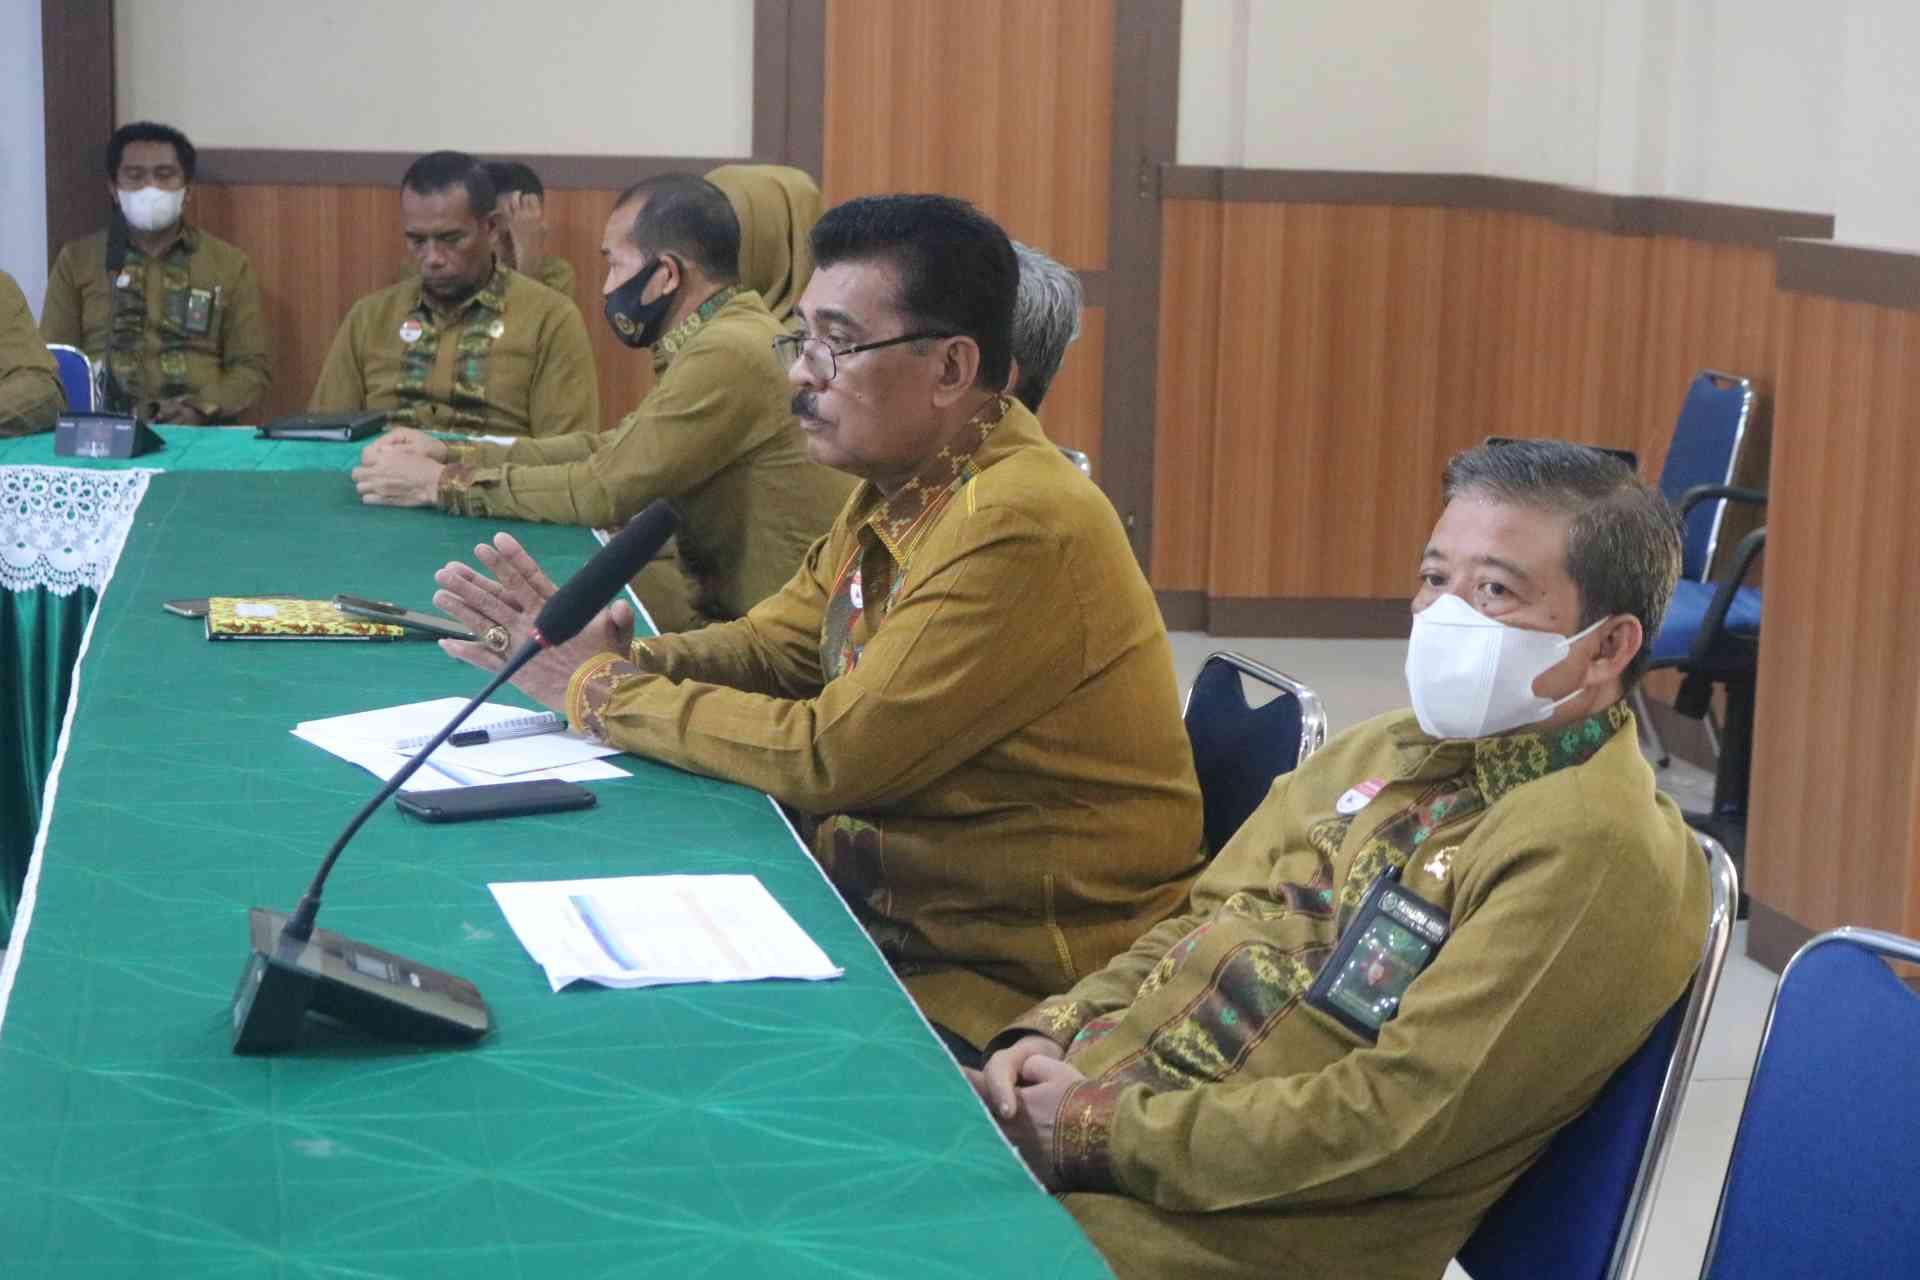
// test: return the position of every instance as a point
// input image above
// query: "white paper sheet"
(366, 738)
(645, 931)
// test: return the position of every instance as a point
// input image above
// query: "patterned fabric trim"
(485, 321)
(1083, 1135)
(897, 518)
(681, 334)
(591, 688)
(456, 487)
(127, 326)
(1512, 760)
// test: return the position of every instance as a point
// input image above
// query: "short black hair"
(511, 176)
(148, 131)
(685, 214)
(1623, 545)
(957, 270)
(439, 171)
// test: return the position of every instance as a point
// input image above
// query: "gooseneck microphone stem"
(299, 926)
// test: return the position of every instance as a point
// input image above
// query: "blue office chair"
(1580, 1212)
(1238, 749)
(1827, 1155)
(1697, 478)
(76, 375)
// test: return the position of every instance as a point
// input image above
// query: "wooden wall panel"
(316, 249)
(1006, 102)
(1073, 411)
(1836, 774)
(1320, 362)
(1186, 415)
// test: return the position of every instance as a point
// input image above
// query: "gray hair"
(1046, 320)
(1623, 546)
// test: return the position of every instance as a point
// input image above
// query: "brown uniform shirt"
(189, 323)
(715, 435)
(513, 360)
(1222, 1082)
(30, 394)
(970, 688)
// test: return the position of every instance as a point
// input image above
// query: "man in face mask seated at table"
(470, 346)
(172, 311)
(965, 689)
(1425, 951)
(715, 435)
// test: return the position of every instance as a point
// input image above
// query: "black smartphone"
(495, 800)
(396, 615)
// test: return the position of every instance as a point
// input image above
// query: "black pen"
(525, 728)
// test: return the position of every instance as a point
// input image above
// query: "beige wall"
(1389, 84)
(1778, 103)
(588, 77)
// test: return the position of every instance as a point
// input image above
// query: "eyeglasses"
(823, 359)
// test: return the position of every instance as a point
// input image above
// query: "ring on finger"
(497, 638)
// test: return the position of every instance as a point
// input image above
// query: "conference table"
(745, 1129)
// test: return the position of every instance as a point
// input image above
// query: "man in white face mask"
(1426, 950)
(170, 310)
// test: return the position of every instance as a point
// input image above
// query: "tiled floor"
(1360, 678)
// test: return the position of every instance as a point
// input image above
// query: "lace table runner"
(62, 528)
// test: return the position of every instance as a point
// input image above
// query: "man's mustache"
(806, 404)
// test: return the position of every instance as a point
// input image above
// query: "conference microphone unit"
(294, 970)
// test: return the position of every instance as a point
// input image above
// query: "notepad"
(249, 618)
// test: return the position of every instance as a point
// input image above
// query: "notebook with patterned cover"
(241, 618)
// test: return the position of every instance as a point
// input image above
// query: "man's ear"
(959, 366)
(670, 276)
(1619, 639)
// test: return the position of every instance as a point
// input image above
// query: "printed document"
(647, 931)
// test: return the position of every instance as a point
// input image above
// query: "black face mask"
(634, 322)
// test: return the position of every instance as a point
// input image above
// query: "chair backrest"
(1705, 450)
(1827, 1153)
(76, 375)
(1238, 749)
(1580, 1211)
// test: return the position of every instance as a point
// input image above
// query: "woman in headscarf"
(777, 207)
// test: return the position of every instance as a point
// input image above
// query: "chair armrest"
(1715, 617)
(1703, 492)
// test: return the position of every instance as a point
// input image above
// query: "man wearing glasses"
(966, 689)
(715, 433)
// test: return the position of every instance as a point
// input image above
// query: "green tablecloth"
(41, 625)
(765, 1129)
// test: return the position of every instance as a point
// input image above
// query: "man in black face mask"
(715, 435)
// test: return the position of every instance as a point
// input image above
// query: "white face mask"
(1472, 676)
(151, 208)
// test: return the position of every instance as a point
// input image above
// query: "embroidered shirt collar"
(894, 519)
(676, 338)
(187, 238)
(491, 295)
(1505, 762)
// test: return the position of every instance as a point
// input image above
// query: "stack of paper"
(367, 739)
(646, 931)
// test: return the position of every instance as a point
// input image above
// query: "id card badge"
(1392, 940)
(199, 311)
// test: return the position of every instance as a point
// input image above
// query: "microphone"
(294, 969)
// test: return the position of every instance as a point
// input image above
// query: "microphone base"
(334, 977)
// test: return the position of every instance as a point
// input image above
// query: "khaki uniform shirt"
(715, 436)
(1578, 905)
(186, 324)
(31, 397)
(970, 689)
(553, 271)
(513, 360)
